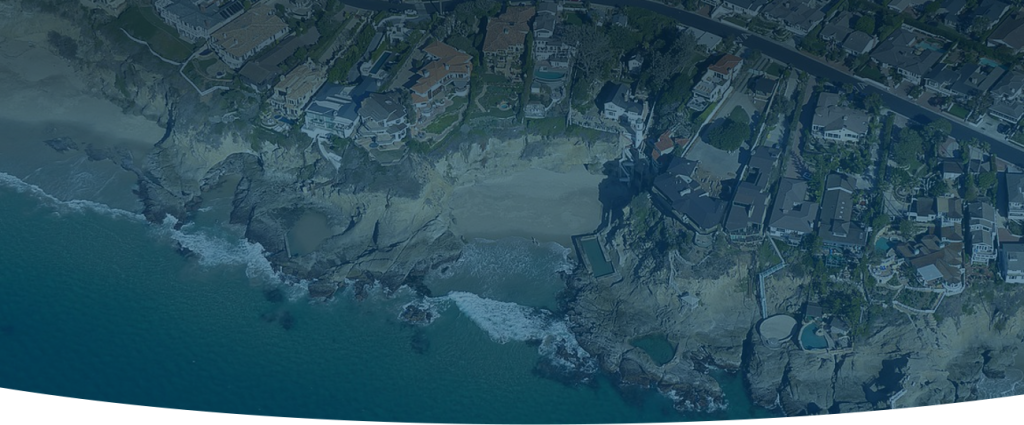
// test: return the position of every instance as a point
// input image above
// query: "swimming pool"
(989, 62)
(598, 264)
(810, 340)
(882, 245)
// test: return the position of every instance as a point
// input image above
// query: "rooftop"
(899, 51)
(508, 29)
(791, 211)
(831, 116)
(249, 30)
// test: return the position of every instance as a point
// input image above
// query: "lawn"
(736, 20)
(959, 111)
(442, 123)
(775, 70)
(143, 24)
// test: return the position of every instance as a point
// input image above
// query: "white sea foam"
(505, 321)
(71, 206)
(217, 251)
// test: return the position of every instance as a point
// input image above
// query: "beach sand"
(44, 98)
(541, 204)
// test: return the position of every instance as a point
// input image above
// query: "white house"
(838, 123)
(1011, 262)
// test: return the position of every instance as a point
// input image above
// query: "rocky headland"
(391, 225)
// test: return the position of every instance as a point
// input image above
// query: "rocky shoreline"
(392, 225)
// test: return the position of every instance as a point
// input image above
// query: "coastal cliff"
(390, 225)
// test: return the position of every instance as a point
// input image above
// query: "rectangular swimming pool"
(598, 264)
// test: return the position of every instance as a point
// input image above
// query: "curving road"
(1005, 150)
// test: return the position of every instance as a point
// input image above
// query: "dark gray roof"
(764, 85)
(703, 211)
(835, 32)
(942, 75)
(791, 210)
(265, 67)
(857, 41)
(1010, 33)
(1010, 85)
(982, 211)
(794, 14)
(680, 166)
(991, 9)
(954, 6)
(975, 79)
(897, 51)
(619, 99)
(1015, 187)
(830, 115)
(812, 310)
(836, 212)
(382, 107)
(952, 166)
(1014, 110)
(924, 206)
(188, 12)
(753, 5)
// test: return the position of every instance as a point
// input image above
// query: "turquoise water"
(811, 341)
(99, 305)
(549, 75)
(989, 62)
(882, 245)
(657, 346)
(595, 254)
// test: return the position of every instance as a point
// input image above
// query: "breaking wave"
(505, 321)
(216, 251)
(71, 206)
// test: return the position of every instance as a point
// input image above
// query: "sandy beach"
(41, 87)
(542, 204)
(44, 98)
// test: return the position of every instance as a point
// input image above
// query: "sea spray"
(70, 206)
(506, 321)
(214, 251)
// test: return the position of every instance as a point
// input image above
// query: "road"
(1003, 149)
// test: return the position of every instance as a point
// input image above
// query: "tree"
(865, 24)
(873, 103)
(907, 229)
(940, 188)
(730, 135)
(907, 149)
(937, 131)
(592, 49)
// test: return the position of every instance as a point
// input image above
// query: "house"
(296, 88)
(688, 201)
(975, 80)
(111, 7)
(792, 216)
(902, 5)
(334, 109)
(1015, 196)
(635, 63)
(505, 41)
(623, 103)
(745, 221)
(951, 169)
(744, 7)
(243, 37)
(991, 11)
(261, 71)
(715, 81)
(444, 77)
(666, 145)
(1010, 87)
(832, 121)
(620, 20)
(1011, 262)
(812, 311)
(195, 19)
(983, 216)
(950, 211)
(834, 32)
(836, 228)
(923, 210)
(1010, 34)
(759, 168)
(902, 51)
(762, 88)
(859, 43)
(1009, 112)
(798, 17)
(707, 41)
(950, 234)
(940, 79)
(546, 41)
(983, 246)
(384, 121)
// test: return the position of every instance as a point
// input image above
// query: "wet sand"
(44, 98)
(541, 204)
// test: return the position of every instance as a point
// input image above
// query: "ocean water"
(95, 303)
